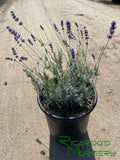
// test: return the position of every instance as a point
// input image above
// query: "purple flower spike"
(68, 26)
(112, 30)
(62, 24)
(81, 33)
(51, 46)
(72, 54)
(86, 33)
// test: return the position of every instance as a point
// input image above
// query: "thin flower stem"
(33, 50)
(31, 33)
(46, 36)
(65, 47)
(100, 56)
(25, 66)
(99, 59)
(29, 54)
(86, 51)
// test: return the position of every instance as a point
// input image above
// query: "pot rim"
(69, 118)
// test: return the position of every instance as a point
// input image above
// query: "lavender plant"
(63, 78)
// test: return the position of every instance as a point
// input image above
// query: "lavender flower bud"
(16, 19)
(20, 23)
(72, 54)
(68, 26)
(55, 27)
(62, 23)
(7, 58)
(109, 36)
(65, 43)
(25, 58)
(112, 30)
(95, 73)
(15, 34)
(16, 39)
(30, 41)
(76, 24)
(14, 16)
(5, 83)
(22, 40)
(33, 37)
(69, 36)
(13, 31)
(81, 33)
(51, 46)
(41, 27)
(8, 27)
(10, 30)
(93, 56)
(18, 35)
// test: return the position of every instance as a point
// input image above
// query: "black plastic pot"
(75, 127)
(116, 1)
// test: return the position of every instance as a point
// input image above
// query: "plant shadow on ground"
(107, 2)
(58, 151)
(2, 1)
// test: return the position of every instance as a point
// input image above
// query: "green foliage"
(64, 78)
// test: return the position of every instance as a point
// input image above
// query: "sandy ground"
(24, 133)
